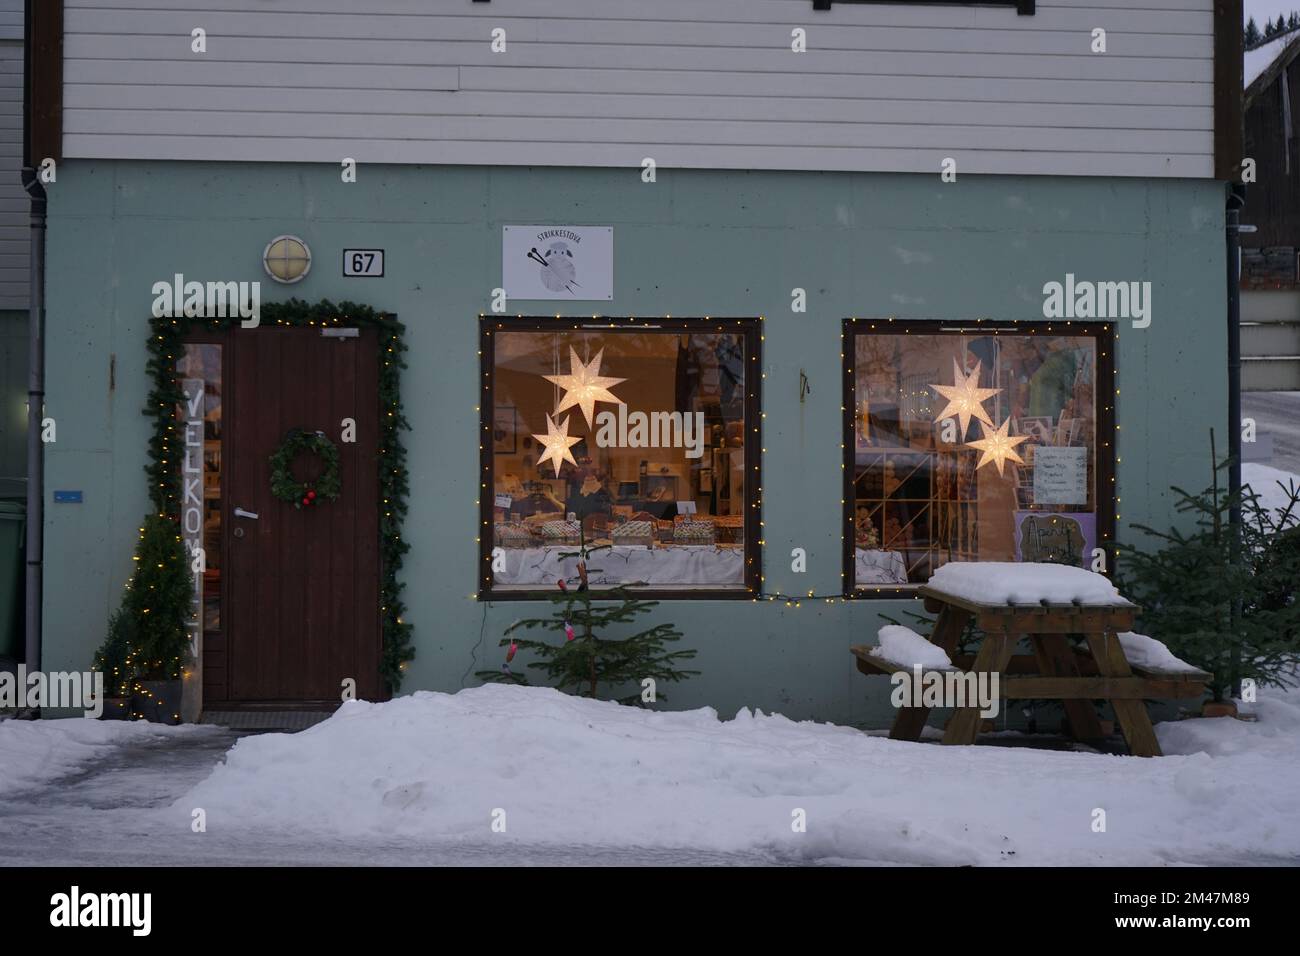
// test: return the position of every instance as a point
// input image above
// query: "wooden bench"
(909, 721)
(873, 664)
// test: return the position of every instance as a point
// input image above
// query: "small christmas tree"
(115, 658)
(158, 601)
(585, 660)
(1226, 604)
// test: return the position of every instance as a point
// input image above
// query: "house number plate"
(365, 263)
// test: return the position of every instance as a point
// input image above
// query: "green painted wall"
(696, 242)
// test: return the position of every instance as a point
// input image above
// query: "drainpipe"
(35, 412)
(1233, 229)
(35, 371)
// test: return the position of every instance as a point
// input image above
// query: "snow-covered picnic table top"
(1000, 583)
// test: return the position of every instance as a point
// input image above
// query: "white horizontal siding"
(11, 19)
(683, 132)
(695, 83)
(15, 229)
(165, 100)
(165, 51)
(173, 29)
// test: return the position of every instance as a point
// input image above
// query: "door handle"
(241, 513)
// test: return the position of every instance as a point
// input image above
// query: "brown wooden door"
(301, 599)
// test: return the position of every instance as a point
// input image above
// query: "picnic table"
(1054, 670)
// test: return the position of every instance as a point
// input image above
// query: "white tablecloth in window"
(879, 567)
(627, 564)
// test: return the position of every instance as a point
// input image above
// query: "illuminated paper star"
(557, 443)
(584, 386)
(997, 446)
(965, 397)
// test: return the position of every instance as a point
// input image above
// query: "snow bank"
(434, 767)
(1143, 651)
(33, 752)
(1264, 481)
(1010, 582)
(1268, 746)
(902, 645)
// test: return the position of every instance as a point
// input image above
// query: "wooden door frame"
(167, 333)
(224, 338)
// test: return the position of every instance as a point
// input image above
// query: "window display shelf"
(719, 565)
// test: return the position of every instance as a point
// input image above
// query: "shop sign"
(558, 262)
(192, 497)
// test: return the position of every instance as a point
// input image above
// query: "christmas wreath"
(305, 494)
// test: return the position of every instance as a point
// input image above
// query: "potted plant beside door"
(115, 659)
(157, 605)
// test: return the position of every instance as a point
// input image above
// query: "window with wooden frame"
(633, 440)
(986, 441)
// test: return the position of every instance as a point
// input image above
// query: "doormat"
(286, 721)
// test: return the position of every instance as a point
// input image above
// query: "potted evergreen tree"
(157, 605)
(115, 659)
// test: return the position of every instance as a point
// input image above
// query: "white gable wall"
(690, 83)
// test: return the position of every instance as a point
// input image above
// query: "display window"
(636, 441)
(990, 442)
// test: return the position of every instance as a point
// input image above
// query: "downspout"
(35, 413)
(35, 373)
(1232, 228)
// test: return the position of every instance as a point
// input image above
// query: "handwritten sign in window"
(1060, 475)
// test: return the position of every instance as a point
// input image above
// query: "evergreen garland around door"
(167, 442)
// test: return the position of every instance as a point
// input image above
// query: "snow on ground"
(568, 771)
(1012, 582)
(33, 752)
(1271, 485)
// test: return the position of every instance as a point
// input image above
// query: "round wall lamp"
(287, 259)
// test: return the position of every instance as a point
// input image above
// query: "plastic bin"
(13, 525)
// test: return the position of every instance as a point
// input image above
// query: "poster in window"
(504, 430)
(1038, 429)
(1060, 475)
(1056, 537)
